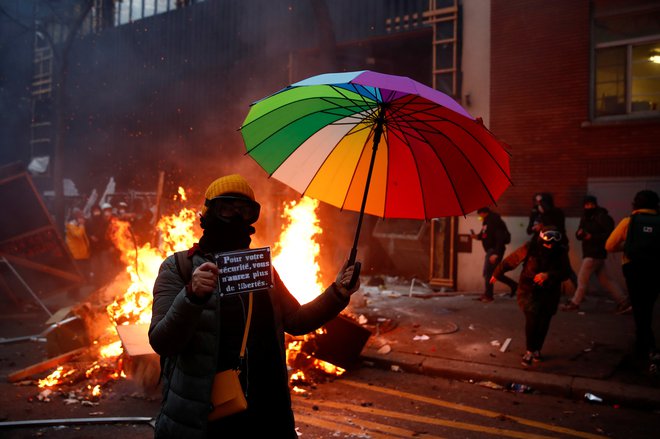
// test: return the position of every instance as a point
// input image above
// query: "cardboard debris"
(135, 339)
(59, 315)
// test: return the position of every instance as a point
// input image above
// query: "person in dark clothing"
(640, 273)
(545, 265)
(493, 236)
(199, 333)
(595, 226)
(545, 213)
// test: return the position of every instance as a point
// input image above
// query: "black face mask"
(227, 234)
(590, 211)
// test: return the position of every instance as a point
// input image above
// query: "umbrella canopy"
(424, 155)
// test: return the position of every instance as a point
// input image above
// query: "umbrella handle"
(356, 275)
(357, 266)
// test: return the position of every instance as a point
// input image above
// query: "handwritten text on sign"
(245, 270)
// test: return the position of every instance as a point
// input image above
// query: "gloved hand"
(344, 279)
(204, 280)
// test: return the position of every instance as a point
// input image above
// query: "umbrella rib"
(321, 165)
(405, 140)
(254, 147)
(367, 105)
(431, 129)
(387, 186)
(483, 184)
(343, 203)
(436, 131)
(325, 99)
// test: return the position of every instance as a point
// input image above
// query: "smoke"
(16, 38)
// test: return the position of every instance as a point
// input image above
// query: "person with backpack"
(494, 236)
(595, 227)
(545, 266)
(201, 335)
(638, 237)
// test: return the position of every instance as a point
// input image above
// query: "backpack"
(185, 268)
(643, 238)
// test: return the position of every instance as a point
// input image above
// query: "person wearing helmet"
(545, 213)
(545, 266)
(199, 333)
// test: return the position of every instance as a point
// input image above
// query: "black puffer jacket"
(599, 224)
(493, 234)
(187, 334)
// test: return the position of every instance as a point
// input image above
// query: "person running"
(545, 266)
(595, 226)
(494, 236)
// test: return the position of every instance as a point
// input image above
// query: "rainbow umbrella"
(379, 144)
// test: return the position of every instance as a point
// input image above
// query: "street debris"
(490, 385)
(505, 346)
(44, 365)
(385, 349)
(520, 388)
(495, 343)
(422, 337)
(395, 368)
(592, 398)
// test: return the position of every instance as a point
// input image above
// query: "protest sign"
(245, 270)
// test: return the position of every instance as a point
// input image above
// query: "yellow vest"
(77, 241)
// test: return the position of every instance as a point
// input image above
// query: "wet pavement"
(452, 335)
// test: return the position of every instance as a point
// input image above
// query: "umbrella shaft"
(378, 131)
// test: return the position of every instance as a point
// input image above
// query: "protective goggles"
(551, 235)
(228, 206)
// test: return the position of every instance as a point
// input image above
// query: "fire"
(111, 350)
(55, 377)
(296, 252)
(295, 258)
(182, 194)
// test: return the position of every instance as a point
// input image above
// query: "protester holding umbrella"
(199, 333)
(545, 265)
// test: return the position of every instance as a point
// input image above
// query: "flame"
(182, 194)
(94, 391)
(176, 233)
(295, 258)
(296, 252)
(111, 350)
(55, 377)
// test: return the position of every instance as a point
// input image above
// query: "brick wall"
(540, 102)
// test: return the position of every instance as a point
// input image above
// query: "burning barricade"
(117, 326)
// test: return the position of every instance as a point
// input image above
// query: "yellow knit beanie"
(229, 184)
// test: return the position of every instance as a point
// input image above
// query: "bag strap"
(247, 326)
(184, 266)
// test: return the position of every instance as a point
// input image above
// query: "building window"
(626, 60)
(443, 16)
